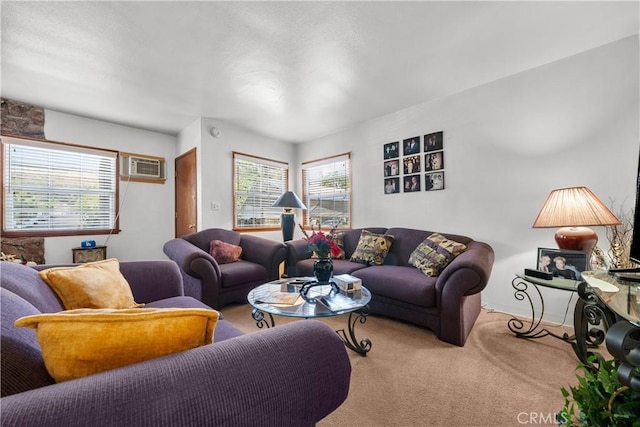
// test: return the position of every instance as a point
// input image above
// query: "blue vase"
(323, 269)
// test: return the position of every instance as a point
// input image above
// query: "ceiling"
(293, 71)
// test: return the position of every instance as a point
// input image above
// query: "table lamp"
(288, 200)
(574, 210)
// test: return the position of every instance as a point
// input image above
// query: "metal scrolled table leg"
(517, 326)
(362, 346)
(258, 316)
(588, 313)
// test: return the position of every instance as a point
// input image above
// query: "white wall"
(215, 164)
(146, 215)
(507, 144)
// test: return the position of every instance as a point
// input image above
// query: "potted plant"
(600, 399)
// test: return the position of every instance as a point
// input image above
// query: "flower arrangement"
(323, 244)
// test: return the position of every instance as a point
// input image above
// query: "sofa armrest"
(292, 375)
(196, 266)
(474, 264)
(297, 250)
(152, 280)
(266, 252)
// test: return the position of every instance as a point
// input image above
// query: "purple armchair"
(292, 375)
(218, 284)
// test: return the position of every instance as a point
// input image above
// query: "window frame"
(7, 139)
(305, 190)
(261, 161)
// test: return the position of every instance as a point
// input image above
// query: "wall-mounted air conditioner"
(142, 167)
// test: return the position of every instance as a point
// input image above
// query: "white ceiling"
(294, 71)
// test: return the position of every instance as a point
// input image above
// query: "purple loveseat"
(220, 284)
(292, 375)
(448, 304)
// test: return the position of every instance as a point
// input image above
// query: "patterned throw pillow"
(435, 253)
(224, 252)
(372, 248)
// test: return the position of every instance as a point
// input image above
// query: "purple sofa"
(292, 375)
(448, 304)
(220, 284)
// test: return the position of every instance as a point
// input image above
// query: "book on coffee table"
(277, 297)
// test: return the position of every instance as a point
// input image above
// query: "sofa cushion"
(224, 252)
(372, 248)
(76, 343)
(202, 239)
(92, 285)
(435, 253)
(241, 273)
(400, 283)
(22, 366)
(340, 266)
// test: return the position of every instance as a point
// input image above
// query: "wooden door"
(186, 199)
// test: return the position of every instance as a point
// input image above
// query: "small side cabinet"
(82, 255)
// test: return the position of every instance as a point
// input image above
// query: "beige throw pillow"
(96, 284)
(76, 343)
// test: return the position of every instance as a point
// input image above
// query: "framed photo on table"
(562, 263)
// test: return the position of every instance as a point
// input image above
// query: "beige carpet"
(410, 378)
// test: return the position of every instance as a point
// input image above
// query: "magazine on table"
(338, 302)
(271, 296)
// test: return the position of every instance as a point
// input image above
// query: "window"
(56, 189)
(327, 192)
(257, 184)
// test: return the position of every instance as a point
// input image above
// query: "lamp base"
(576, 239)
(288, 223)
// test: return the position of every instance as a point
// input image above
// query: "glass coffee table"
(283, 298)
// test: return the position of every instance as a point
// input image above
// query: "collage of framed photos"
(414, 164)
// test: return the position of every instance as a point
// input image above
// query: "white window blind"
(57, 189)
(257, 184)
(327, 192)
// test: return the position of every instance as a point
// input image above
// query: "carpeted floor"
(410, 378)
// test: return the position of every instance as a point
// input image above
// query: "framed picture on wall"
(391, 185)
(562, 263)
(391, 150)
(433, 141)
(411, 183)
(411, 164)
(434, 161)
(434, 181)
(392, 167)
(411, 146)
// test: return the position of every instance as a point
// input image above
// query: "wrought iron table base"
(534, 331)
(361, 347)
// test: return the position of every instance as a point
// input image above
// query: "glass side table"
(527, 286)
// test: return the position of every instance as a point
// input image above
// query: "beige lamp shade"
(574, 209)
(575, 206)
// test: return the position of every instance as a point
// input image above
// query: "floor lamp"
(288, 200)
(574, 210)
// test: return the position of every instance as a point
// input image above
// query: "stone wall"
(19, 118)
(28, 249)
